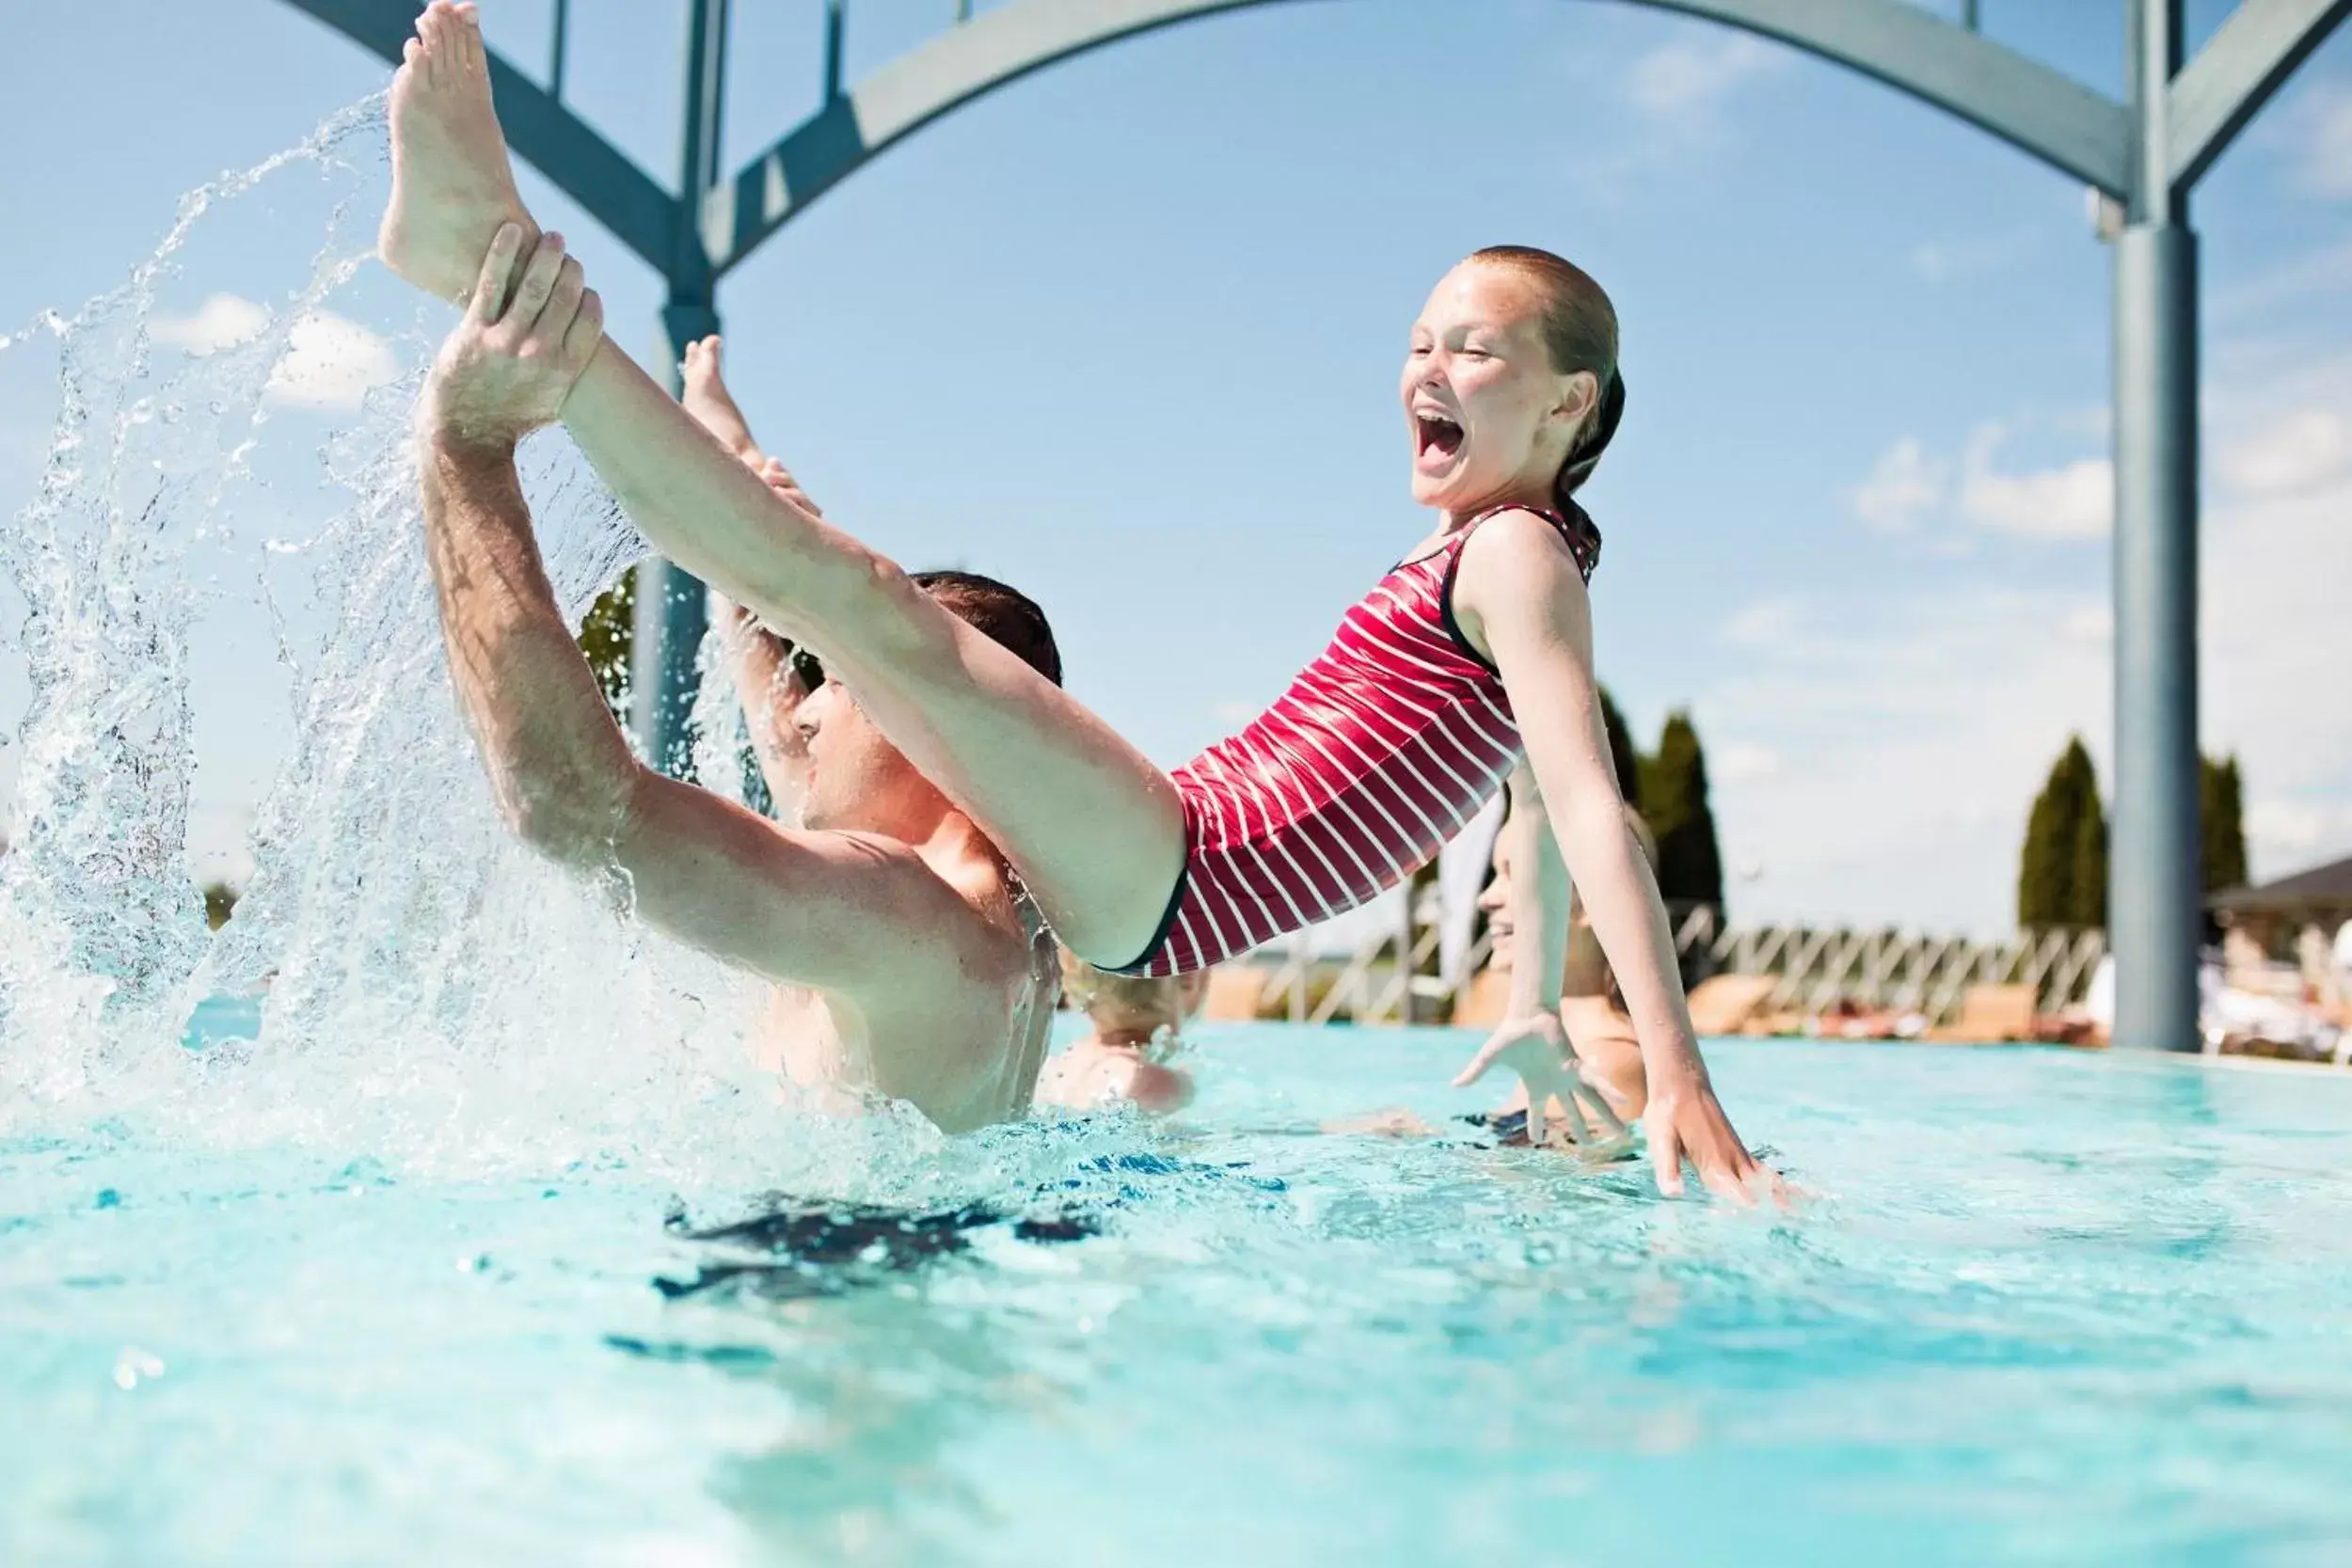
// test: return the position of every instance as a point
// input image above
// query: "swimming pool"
(2047, 1308)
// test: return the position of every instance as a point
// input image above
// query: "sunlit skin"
(1608, 1050)
(887, 925)
(1093, 828)
(1119, 1062)
(1490, 419)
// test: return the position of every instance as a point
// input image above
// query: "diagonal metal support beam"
(2019, 100)
(2011, 96)
(556, 142)
(2247, 60)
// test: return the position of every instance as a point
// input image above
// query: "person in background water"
(1473, 654)
(1592, 1007)
(1124, 1060)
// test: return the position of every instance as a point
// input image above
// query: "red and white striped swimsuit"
(1381, 749)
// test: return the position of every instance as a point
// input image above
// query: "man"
(907, 959)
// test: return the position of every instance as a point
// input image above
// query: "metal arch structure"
(2142, 156)
(2014, 98)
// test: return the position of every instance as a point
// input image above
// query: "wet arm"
(826, 909)
(1520, 590)
(699, 503)
(763, 673)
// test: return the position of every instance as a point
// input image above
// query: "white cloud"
(2303, 449)
(1908, 735)
(1741, 762)
(2073, 501)
(1765, 623)
(2090, 623)
(330, 362)
(223, 321)
(1911, 732)
(1691, 76)
(2297, 829)
(2312, 273)
(1941, 261)
(1905, 487)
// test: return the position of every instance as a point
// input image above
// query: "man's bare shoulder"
(967, 905)
(946, 1012)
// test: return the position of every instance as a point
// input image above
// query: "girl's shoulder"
(1571, 523)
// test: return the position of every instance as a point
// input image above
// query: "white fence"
(1817, 969)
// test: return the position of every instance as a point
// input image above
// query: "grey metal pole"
(671, 611)
(2154, 897)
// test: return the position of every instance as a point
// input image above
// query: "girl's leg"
(1092, 827)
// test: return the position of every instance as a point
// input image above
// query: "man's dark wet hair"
(1005, 615)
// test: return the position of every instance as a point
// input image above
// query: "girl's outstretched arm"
(1520, 600)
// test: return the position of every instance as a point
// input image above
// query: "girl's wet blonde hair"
(1580, 330)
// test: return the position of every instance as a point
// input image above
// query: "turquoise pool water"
(2047, 1309)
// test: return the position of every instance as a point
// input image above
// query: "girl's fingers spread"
(1477, 1070)
(1725, 1182)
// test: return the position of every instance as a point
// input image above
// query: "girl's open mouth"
(1435, 441)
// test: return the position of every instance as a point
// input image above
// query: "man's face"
(856, 780)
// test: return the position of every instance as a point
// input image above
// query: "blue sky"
(1126, 334)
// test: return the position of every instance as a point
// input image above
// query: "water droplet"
(132, 1364)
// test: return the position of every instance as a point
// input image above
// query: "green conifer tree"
(2062, 869)
(2088, 896)
(1622, 751)
(2222, 809)
(607, 635)
(1673, 803)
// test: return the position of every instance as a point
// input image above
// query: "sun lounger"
(1235, 993)
(1989, 1015)
(1726, 1003)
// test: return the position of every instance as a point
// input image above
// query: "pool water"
(2043, 1307)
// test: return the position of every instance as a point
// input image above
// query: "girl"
(1383, 746)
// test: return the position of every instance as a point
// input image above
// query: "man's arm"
(769, 692)
(824, 909)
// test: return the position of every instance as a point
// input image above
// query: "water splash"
(428, 992)
(99, 923)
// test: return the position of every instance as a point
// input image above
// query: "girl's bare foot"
(452, 185)
(706, 396)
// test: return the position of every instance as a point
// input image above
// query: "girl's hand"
(1683, 1117)
(1536, 1048)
